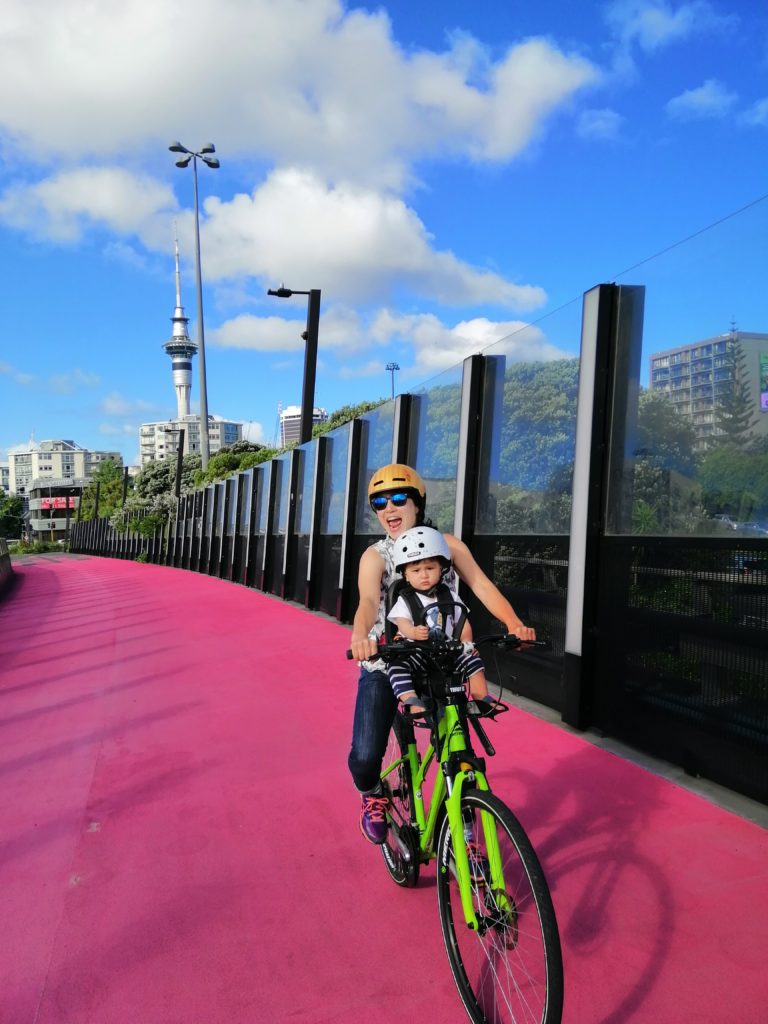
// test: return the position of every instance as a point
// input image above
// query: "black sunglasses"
(379, 501)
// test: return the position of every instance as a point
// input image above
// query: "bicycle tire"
(400, 848)
(510, 972)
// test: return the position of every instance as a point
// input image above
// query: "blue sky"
(444, 178)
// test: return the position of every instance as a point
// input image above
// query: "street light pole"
(213, 163)
(391, 367)
(310, 336)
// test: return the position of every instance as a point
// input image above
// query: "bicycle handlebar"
(390, 651)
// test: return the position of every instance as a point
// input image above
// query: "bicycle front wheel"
(510, 971)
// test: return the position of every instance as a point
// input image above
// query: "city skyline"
(443, 182)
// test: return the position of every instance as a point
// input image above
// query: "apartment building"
(695, 376)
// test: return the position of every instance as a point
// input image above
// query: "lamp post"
(310, 355)
(213, 163)
(391, 367)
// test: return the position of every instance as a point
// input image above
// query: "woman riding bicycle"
(398, 497)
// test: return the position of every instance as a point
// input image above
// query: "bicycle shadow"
(615, 904)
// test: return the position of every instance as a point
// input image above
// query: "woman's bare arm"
(369, 576)
(485, 590)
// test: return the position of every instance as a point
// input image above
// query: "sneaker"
(373, 817)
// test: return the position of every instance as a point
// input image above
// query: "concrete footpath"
(179, 839)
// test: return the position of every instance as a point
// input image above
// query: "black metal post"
(310, 366)
(125, 486)
(179, 463)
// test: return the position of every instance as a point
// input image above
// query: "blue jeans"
(374, 713)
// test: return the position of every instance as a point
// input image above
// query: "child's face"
(423, 575)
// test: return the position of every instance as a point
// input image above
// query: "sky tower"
(180, 348)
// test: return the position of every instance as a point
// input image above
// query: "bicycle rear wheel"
(400, 848)
(511, 970)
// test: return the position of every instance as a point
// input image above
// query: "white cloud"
(653, 24)
(349, 241)
(438, 347)
(433, 345)
(18, 376)
(117, 430)
(58, 207)
(73, 380)
(373, 368)
(711, 99)
(261, 333)
(114, 404)
(599, 124)
(340, 327)
(254, 432)
(302, 82)
(757, 113)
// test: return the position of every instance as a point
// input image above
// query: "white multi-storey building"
(54, 460)
(694, 376)
(4, 478)
(290, 423)
(50, 477)
(161, 440)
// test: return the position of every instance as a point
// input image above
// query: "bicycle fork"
(468, 774)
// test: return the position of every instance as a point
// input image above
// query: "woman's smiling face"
(396, 519)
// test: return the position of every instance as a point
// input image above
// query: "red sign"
(57, 503)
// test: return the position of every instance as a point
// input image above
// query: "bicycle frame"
(460, 766)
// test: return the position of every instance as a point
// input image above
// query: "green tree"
(666, 497)
(11, 515)
(539, 424)
(734, 419)
(109, 476)
(663, 437)
(736, 483)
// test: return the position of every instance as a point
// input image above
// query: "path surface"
(162, 862)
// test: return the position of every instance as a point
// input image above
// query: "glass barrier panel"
(375, 451)
(232, 489)
(262, 504)
(281, 467)
(528, 428)
(690, 453)
(308, 457)
(434, 443)
(335, 480)
(220, 496)
(246, 484)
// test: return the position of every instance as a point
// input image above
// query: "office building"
(290, 423)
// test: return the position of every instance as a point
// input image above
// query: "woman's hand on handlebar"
(523, 633)
(363, 648)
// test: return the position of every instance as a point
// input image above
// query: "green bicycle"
(496, 911)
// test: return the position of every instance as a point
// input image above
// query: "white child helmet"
(421, 542)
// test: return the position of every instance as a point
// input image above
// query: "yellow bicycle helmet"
(396, 477)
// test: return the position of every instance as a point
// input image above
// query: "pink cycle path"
(179, 840)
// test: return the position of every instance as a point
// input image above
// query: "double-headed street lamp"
(310, 355)
(213, 163)
(391, 367)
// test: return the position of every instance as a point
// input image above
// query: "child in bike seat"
(423, 558)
